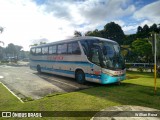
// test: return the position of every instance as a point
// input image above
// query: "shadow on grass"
(66, 79)
(127, 94)
(140, 74)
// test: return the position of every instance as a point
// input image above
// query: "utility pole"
(154, 51)
(155, 64)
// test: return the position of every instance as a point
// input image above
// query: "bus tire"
(119, 83)
(80, 77)
(38, 68)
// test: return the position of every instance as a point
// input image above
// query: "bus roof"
(75, 39)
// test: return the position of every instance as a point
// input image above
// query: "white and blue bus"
(91, 59)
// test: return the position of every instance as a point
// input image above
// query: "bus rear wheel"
(80, 77)
(38, 68)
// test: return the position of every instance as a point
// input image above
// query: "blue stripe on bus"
(66, 72)
(66, 62)
(58, 70)
(93, 76)
(104, 78)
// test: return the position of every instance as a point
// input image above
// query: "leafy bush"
(158, 72)
(4, 61)
(128, 66)
(140, 69)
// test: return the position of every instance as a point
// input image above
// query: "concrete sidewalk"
(127, 112)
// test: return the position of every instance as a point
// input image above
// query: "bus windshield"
(103, 53)
(111, 56)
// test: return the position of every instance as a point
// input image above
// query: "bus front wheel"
(38, 68)
(80, 77)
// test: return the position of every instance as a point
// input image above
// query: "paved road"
(28, 83)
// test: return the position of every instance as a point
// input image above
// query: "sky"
(26, 22)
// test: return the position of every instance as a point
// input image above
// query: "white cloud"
(150, 12)
(148, 22)
(120, 22)
(129, 29)
(25, 21)
(89, 11)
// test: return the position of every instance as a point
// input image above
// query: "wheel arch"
(79, 69)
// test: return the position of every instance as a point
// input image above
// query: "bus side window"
(38, 51)
(62, 48)
(53, 49)
(73, 48)
(85, 47)
(69, 48)
(95, 56)
(50, 50)
(33, 51)
(44, 50)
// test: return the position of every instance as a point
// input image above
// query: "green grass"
(138, 89)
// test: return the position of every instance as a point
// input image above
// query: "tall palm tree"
(2, 42)
(1, 30)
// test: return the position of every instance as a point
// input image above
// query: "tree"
(143, 49)
(2, 42)
(143, 32)
(158, 48)
(114, 32)
(77, 34)
(146, 28)
(10, 49)
(1, 30)
(39, 42)
(125, 50)
(17, 50)
(146, 31)
(1, 52)
(139, 29)
(158, 44)
(129, 39)
(13, 50)
(154, 28)
(95, 33)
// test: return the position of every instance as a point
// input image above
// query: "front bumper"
(106, 79)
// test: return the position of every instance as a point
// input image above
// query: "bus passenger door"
(95, 67)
